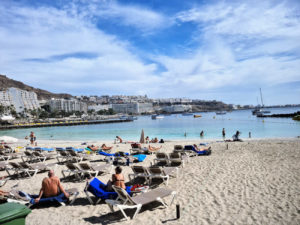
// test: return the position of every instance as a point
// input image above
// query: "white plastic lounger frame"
(124, 201)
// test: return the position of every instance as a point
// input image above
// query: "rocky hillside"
(6, 82)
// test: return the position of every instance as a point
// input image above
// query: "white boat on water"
(221, 113)
(259, 111)
(155, 116)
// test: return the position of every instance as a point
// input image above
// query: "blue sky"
(222, 50)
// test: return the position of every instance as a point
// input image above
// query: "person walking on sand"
(51, 187)
(32, 138)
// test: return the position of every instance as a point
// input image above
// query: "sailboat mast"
(262, 103)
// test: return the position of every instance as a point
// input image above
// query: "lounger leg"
(74, 198)
(173, 197)
(161, 201)
(123, 212)
(138, 208)
(89, 197)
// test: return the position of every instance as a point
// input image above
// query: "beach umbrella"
(8, 139)
(142, 139)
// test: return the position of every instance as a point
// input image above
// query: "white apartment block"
(98, 107)
(176, 108)
(21, 100)
(67, 105)
(135, 108)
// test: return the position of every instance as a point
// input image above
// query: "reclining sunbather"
(51, 187)
(105, 148)
(151, 148)
(201, 149)
(93, 148)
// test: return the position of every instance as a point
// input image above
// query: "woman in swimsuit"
(118, 178)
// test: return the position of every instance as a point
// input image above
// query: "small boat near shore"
(197, 116)
(155, 116)
(221, 113)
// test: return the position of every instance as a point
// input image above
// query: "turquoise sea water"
(174, 127)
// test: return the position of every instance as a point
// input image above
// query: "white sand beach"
(251, 182)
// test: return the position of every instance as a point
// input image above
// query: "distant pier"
(285, 115)
(65, 123)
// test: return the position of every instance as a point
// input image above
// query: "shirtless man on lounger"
(51, 187)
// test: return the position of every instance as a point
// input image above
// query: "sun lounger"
(161, 158)
(124, 200)
(43, 156)
(6, 156)
(95, 169)
(63, 156)
(139, 171)
(99, 190)
(28, 156)
(39, 166)
(162, 173)
(176, 159)
(3, 181)
(19, 170)
(3, 165)
(24, 198)
(75, 156)
(72, 169)
(193, 150)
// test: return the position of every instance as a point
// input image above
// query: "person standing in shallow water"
(223, 133)
(202, 133)
(32, 138)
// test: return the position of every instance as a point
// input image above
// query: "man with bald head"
(51, 187)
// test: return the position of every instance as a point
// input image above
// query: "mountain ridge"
(6, 83)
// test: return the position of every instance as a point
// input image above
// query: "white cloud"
(238, 45)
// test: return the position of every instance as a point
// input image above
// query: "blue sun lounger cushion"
(192, 148)
(97, 188)
(75, 149)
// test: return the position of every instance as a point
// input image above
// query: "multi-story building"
(176, 108)
(67, 105)
(21, 100)
(134, 108)
(98, 107)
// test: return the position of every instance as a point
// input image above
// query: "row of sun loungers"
(85, 169)
(149, 173)
(23, 169)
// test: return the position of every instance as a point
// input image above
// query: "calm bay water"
(174, 127)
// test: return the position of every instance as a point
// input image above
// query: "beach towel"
(140, 157)
(109, 154)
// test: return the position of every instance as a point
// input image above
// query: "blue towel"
(60, 198)
(204, 144)
(140, 157)
(109, 154)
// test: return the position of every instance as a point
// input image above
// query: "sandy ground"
(251, 182)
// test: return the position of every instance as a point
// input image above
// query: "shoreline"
(79, 142)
